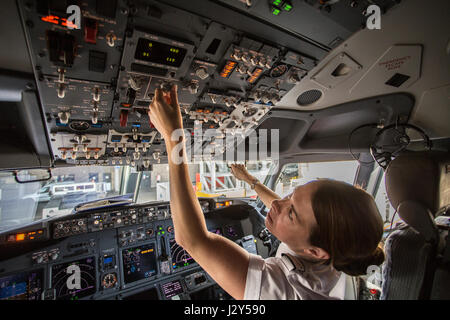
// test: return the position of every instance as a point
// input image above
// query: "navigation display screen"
(171, 289)
(157, 52)
(74, 280)
(180, 258)
(22, 286)
(139, 262)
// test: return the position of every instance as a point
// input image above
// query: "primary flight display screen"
(74, 280)
(157, 52)
(139, 262)
(180, 258)
(22, 286)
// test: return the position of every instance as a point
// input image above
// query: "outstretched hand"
(165, 112)
(241, 173)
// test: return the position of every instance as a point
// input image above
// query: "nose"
(275, 206)
(279, 204)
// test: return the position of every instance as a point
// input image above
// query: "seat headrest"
(420, 219)
(423, 177)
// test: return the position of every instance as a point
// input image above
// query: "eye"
(290, 213)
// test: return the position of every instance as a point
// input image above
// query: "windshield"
(24, 203)
(21, 204)
(297, 174)
(208, 178)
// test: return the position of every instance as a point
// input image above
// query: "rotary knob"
(39, 258)
(202, 73)
(193, 88)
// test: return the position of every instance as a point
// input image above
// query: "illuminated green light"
(277, 2)
(163, 232)
(287, 7)
(276, 11)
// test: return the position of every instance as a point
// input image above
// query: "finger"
(167, 98)
(159, 95)
(174, 95)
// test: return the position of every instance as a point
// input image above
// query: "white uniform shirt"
(289, 277)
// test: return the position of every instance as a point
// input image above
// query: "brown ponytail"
(349, 227)
(359, 266)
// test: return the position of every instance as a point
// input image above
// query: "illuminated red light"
(51, 19)
(57, 20)
(373, 291)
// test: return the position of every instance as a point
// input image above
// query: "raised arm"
(225, 261)
(264, 193)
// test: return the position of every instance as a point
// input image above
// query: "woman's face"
(291, 219)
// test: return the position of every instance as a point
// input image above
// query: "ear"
(317, 253)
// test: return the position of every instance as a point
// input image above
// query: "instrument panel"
(125, 253)
(96, 79)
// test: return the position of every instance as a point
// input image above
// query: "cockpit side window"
(296, 174)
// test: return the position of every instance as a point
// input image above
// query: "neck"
(306, 256)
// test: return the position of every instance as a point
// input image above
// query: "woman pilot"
(326, 228)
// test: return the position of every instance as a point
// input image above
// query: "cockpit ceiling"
(241, 67)
(410, 54)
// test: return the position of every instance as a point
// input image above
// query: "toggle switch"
(111, 39)
(61, 90)
(64, 117)
(96, 95)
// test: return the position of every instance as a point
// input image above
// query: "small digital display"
(180, 258)
(139, 262)
(108, 260)
(22, 286)
(74, 280)
(171, 289)
(157, 52)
